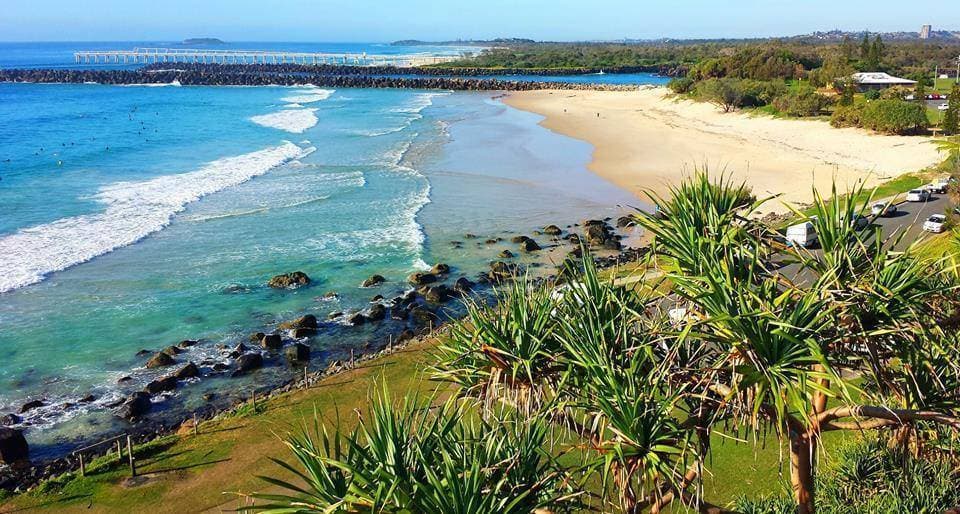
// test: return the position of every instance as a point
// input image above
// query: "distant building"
(925, 32)
(879, 80)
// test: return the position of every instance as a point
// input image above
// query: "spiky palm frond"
(507, 350)
(416, 456)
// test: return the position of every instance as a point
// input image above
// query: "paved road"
(911, 215)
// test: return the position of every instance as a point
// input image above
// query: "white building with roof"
(880, 80)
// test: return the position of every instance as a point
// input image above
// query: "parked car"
(936, 223)
(801, 234)
(938, 186)
(883, 209)
(918, 195)
(860, 222)
(943, 107)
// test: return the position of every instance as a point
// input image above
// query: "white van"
(802, 234)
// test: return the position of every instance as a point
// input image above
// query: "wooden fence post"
(133, 465)
(119, 451)
(83, 468)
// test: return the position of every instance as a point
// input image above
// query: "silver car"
(882, 209)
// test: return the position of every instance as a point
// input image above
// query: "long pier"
(201, 56)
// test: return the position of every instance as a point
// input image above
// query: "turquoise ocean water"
(135, 217)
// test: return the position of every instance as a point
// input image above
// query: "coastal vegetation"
(597, 396)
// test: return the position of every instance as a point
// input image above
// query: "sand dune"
(646, 140)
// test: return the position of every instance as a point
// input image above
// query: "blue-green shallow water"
(189, 218)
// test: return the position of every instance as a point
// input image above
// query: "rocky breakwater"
(220, 75)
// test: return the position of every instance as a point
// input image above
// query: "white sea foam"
(306, 96)
(174, 83)
(295, 121)
(133, 211)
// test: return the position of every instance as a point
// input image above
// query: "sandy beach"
(646, 140)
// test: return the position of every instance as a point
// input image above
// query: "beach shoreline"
(645, 141)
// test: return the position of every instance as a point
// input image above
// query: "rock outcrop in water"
(289, 280)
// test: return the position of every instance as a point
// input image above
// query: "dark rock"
(596, 234)
(29, 406)
(530, 246)
(469, 236)
(13, 447)
(272, 342)
(440, 269)
(240, 348)
(298, 352)
(626, 221)
(143, 353)
(422, 316)
(374, 280)
(506, 254)
(10, 419)
(248, 362)
(220, 367)
(463, 285)
(376, 312)
(399, 313)
(189, 371)
(115, 403)
(419, 279)
(519, 239)
(357, 319)
(573, 238)
(611, 244)
(334, 314)
(87, 399)
(377, 298)
(162, 384)
(552, 230)
(66, 405)
(405, 336)
(187, 343)
(208, 397)
(492, 241)
(300, 333)
(289, 280)
(307, 321)
(172, 351)
(124, 379)
(135, 406)
(436, 294)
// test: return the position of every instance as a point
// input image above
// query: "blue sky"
(387, 20)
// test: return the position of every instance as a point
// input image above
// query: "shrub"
(846, 116)
(681, 85)
(803, 101)
(894, 116)
(888, 116)
(872, 94)
(732, 94)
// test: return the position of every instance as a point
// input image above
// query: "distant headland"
(202, 41)
(466, 42)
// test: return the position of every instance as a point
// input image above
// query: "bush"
(888, 116)
(732, 94)
(872, 94)
(803, 101)
(681, 85)
(846, 116)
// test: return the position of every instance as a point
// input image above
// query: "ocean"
(132, 218)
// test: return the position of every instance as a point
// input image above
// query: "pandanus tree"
(771, 339)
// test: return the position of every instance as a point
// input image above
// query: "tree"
(875, 53)
(865, 47)
(748, 352)
(920, 91)
(951, 118)
(847, 93)
(847, 48)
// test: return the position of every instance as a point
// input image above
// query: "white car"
(883, 209)
(918, 195)
(943, 107)
(936, 223)
(801, 234)
(938, 186)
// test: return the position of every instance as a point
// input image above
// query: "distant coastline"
(206, 41)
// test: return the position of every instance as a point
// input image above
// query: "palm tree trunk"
(801, 472)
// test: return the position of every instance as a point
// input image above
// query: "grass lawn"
(189, 473)
(943, 86)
